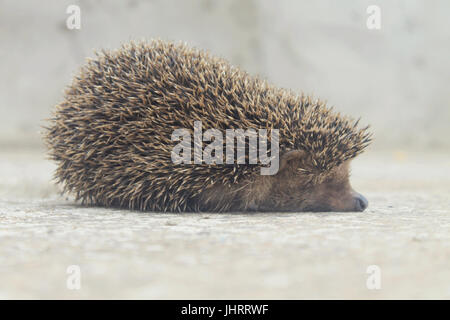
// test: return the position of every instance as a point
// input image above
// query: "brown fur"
(288, 190)
(111, 135)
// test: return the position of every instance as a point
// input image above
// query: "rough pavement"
(125, 254)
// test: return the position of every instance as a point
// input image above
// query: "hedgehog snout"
(361, 202)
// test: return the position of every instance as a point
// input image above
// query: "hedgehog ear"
(290, 158)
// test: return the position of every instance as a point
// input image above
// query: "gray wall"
(397, 78)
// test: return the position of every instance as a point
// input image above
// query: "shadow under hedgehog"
(111, 136)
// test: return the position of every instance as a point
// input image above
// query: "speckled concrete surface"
(124, 254)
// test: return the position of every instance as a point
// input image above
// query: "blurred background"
(396, 78)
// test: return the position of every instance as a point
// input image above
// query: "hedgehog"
(112, 137)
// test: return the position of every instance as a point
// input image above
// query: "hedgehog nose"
(361, 202)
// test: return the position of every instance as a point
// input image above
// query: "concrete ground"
(125, 254)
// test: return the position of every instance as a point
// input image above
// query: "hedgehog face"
(295, 189)
(334, 193)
